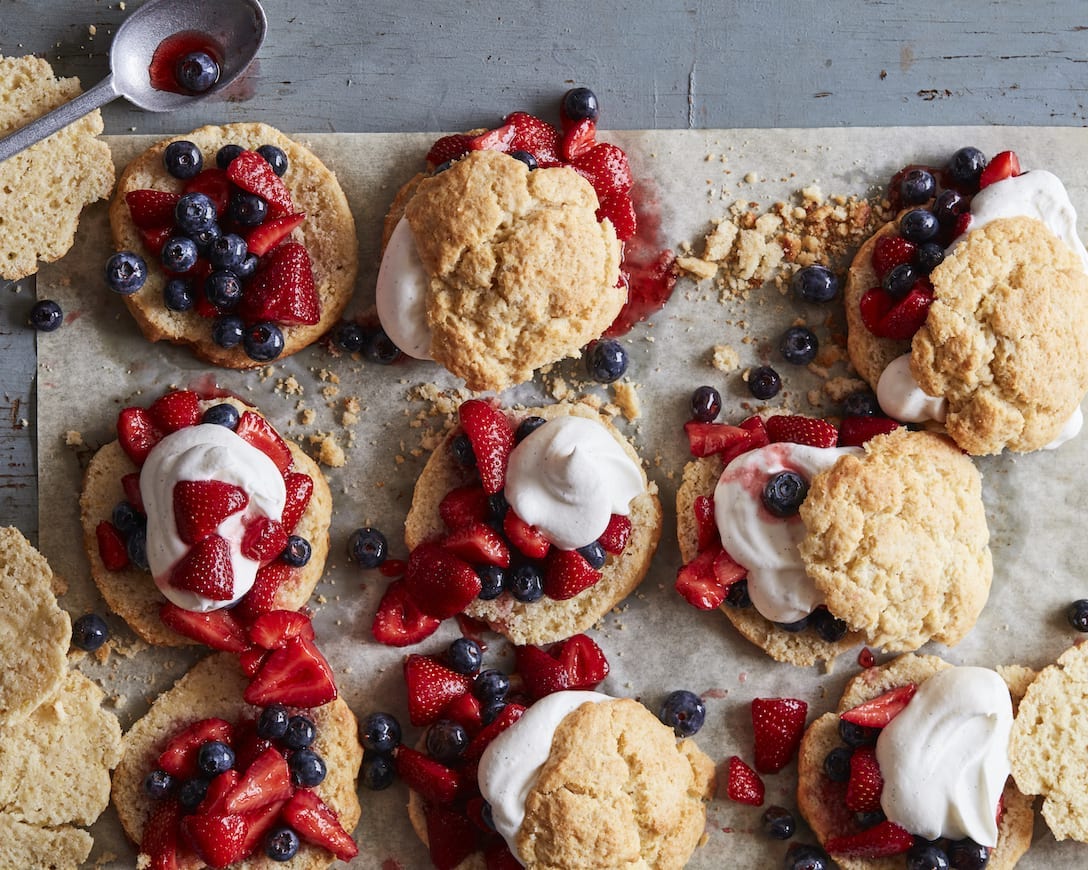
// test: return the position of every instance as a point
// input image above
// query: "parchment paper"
(656, 643)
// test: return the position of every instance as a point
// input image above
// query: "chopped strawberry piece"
(614, 537)
(439, 582)
(434, 781)
(217, 629)
(604, 166)
(214, 184)
(891, 251)
(258, 825)
(266, 780)
(449, 148)
(261, 596)
(251, 659)
(1002, 166)
(393, 567)
(542, 674)
(492, 439)
(201, 505)
(743, 784)
(299, 489)
(578, 138)
(296, 675)
(111, 546)
(155, 240)
(527, 540)
(583, 660)
(179, 757)
(160, 838)
(706, 439)
(478, 544)
(274, 629)
(431, 688)
(620, 210)
(567, 573)
(855, 431)
(263, 540)
(698, 582)
(881, 710)
(137, 433)
(260, 240)
(757, 431)
(399, 621)
(152, 209)
(251, 172)
(706, 524)
(963, 223)
(497, 856)
(866, 659)
(451, 837)
(907, 315)
(317, 823)
(727, 570)
(778, 724)
(576, 663)
(474, 811)
(256, 430)
(283, 289)
(866, 782)
(537, 137)
(175, 410)
(798, 429)
(466, 711)
(463, 506)
(498, 139)
(509, 715)
(218, 788)
(206, 570)
(217, 838)
(879, 841)
(130, 483)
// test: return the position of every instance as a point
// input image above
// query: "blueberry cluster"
(132, 524)
(371, 341)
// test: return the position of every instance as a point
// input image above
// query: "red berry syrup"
(164, 62)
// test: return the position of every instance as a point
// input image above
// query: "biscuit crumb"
(627, 400)
(725, 359)
(73, 438)
(328, 452)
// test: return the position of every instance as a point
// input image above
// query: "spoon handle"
(59, 118)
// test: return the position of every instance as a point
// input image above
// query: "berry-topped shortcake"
(812, 540)
(200, 517)
(966, 310)
(537, 522)
(236, 241)
(913, 770)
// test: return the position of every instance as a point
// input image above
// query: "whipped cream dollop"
(568, 477)
(765, 544)
(206, 452)
(945, 758)
(402, 294)
(511, 764)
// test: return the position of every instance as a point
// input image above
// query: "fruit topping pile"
(487, 549)
(939, 210)
(464, 707)
(224, 244)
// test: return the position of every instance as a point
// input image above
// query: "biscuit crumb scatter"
(307, 416)
(289, 386)
(725, 359)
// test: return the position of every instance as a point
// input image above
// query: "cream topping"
(402, 294)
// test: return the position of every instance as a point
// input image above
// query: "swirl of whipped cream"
(510, 766)
(402, 294)
(945, 758)
(206, 452)
(764, 544)
(568, 477)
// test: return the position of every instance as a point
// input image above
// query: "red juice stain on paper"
(392, 864)
(164, 62)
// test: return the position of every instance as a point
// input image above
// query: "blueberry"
(223, 289)
(275, 158)
(349, 337)
(227, 252)
(829, 628)
(684, 712)
(594, 554)
(928, 257)
(784, 492)
(192, 792)
(89, 632)
(526, 583)
(706, 404)
(205, 237)
(281, 844)
(223, 414)
(464, 656)
(863, 403)
(857, 735)
(764, 382)
(367, 546)
(126, 272)
(487, 816)
(1077, 614)
(379, 348)
(177, 295)
(606, 361)
(446, 741)
(307, 768)
(795, 626)
(377, 771)
(182, 159)
(737, 596)
(526, 427)
(225, 155)
(917, 186)
(919, 225)
(778, 823)
(580, 104)
(442, 167)
(380, 732)
(924, 855)
(194, 212)
(461, 448)
(248, 266)
(497, 506)
(136, 547)
(263, 342)
(197, 72)
(899, 280)
(300, 732)
(815, 284)
(158, 785)
(214, 757)
(247, 209)
(491, 685)
(526, 158)
(966, 167)
(837, 764)
(297, 552)
(802, 856)
(179, 254)
(126, 517)
(491, 710)
(949, 206)
(798, 345)
(45, 315)
(227, 331)
(272, 723)
(871, 818)
(492, 581)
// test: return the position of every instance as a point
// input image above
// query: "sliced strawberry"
(509, 715)
(855, 431)
(155, 240)
(111, 546)
(152, 209)
(245, 743)
(393, 567)
(798, 429)
(706, 524)
(206, 570)
(179, 757)
(263, 540)
(218, 788)
(874, 304)
(541, 673)
(266, 780)
(251, 172)
(137, 433)
(463, 506)
(274, 629)
(698, 583)
(466, 711)
(620, 210)
(498, 139)
(256, 430)
(175, 410)
(217, 629)
(706, 439)
(891, 251)
(881, 710)
(614, 537)
(260, 240)
(451, 838)
(879, 841)
(537, 137)
(296, 675)
(478, 544)
(160, 838)
(251, 659)
(907, 315)
(449, 148)
(399, 621)
(757, 437)
(299, 489)
(261, 596)
(778, 724)
(439, 582)
(130, 483)
(527, 540)
(963, 223)
(1002, 166)
(604, 166)
(431, 687)
(583, 660)
(492, 439)
(258, 825)
(567, 573)
(201, 505)
(474, 811)
(283, 289)
(217, 838)
(497, 856)
(578, 138)
(433, 781)
(317, 823)
(866, 783)
(743, 784)
(214, 184)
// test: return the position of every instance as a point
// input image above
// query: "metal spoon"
(235, 27)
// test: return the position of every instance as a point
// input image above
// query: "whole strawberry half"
(880, 841)
(251, 172)
(398, 620)
(778, 724)
(866, 783)
(537, 137)
(605, 166)
(152, 209)
(283, 289)
(798, 429)
(567, 573)
(439, 582)
(891, 251)
(315, 822)
(206, 570)
(431, 687)
(258, 432)
(743, 784)
(492, 439)
(175, 410)
(295, 675)
(201, 505)
(137, 433)
(217, 629)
